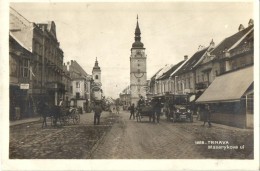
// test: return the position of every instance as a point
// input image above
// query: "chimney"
(241, 27)
(251, 22)
(185, 57)
(212, 44)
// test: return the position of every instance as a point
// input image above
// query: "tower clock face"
(138, 74)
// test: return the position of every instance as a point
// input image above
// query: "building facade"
(232, 62)
(20, 83)
(80, 87)
(138, 75)
(46, 64)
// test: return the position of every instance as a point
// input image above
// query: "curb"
(20, 123)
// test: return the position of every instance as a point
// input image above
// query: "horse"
(54, 112)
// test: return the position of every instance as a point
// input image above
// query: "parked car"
(178, 108)
(182, 108)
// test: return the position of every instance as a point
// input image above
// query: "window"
(77, 85)
(77, 95)
(96, 77)
(25, 72)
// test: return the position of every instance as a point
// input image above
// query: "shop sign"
(24, 86)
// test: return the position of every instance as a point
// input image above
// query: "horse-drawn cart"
(144, 111)
(69, 115)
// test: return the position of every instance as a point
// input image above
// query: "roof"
(166, 68)
(168, 73)
(19, 42)
(190, 64)
(246, 39)
(153, 77)
(230, 41)
(235, 87)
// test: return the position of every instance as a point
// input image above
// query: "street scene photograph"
(131, 80)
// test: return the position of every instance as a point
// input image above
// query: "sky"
(169, 30)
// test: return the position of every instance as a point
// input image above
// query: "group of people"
(156, 107)
(204, 110)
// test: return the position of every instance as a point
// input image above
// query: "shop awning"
(228, 87)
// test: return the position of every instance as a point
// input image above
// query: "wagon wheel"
(65, 120)
(76, 118)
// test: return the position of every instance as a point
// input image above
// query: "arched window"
(96, 77)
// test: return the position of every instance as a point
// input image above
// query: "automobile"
(182, 108)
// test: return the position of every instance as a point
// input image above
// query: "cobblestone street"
(117, 137)
(30, 141)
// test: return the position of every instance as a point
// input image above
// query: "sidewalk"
(84, 116)
(198, 122)
(24, 121)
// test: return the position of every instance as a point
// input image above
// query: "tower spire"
(137, 42)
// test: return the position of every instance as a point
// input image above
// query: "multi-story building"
(47, 61)
(185, 77)
(80, 89)
(235, 51)
(52, 63)
(153, 82)
(231, 93)
(20, 83)
(165, 82)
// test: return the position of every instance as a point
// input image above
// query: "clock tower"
(138, 83)
(96, 73)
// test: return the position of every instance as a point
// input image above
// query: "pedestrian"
(97, 113)
(207, 114)
(117, 109)
(141, 102)
(157, 109)
(132, 111)
(43, 110)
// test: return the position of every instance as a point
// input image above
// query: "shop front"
(230, 97)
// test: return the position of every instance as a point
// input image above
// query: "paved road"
(30, 141)
(131, 140)
(120, 138)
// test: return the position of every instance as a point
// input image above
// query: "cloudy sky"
(169, 30)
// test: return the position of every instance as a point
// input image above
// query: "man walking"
(207, 113)
(157, 109)
(132, 111)
(97, 113)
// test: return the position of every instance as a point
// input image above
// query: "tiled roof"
(230, 41)
(188, 66)
(153, 77)
(168, 73)
(248, 38)
(165, 69)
